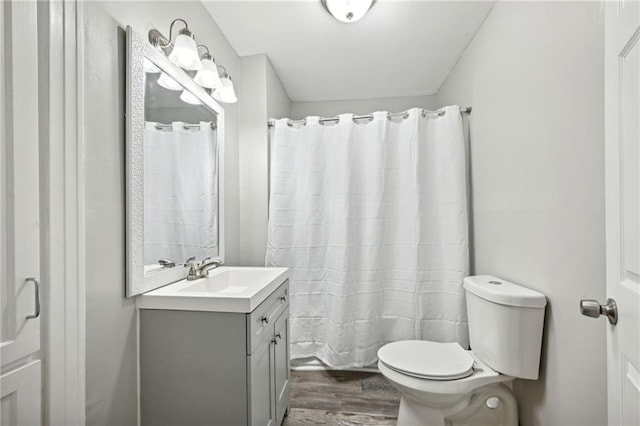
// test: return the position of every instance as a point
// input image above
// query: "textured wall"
(534, 76)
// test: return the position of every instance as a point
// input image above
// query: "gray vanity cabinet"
(269, 375)
(216, 368)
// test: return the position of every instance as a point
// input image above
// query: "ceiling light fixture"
(348, 10)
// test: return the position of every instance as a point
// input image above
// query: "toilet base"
(466, 411)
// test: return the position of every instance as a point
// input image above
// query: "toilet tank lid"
(503, 292)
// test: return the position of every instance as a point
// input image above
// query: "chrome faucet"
(202, 270)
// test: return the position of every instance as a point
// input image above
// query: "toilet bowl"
(430, 399)
(443, 384)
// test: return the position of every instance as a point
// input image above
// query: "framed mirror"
(174, 170)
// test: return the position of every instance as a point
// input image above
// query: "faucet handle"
(166, 263)
(193, 268)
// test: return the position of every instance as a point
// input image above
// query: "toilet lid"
(428, 360)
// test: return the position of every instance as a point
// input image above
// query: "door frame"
(62, 216)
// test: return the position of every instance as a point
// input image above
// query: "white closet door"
(19, 215)
(622, 154)
(18, 407)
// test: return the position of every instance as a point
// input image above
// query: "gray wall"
(278, 102)
(260, 97)
(361, 106)
(534, 76)
(111, 363)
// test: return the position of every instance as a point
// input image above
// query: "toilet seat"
(427, 360)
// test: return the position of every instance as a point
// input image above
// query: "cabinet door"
(20, 391)
(281, 365)
(19, 185)
(20, 396)
(261, 388)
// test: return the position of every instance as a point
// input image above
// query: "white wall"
(261, 96)
(534, 76)
(111, 380)
(328, 109)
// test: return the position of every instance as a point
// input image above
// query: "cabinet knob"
(284, 298)
(264, 320)
(278, 336)
(274, 341)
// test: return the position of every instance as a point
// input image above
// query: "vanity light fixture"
(348, 10)
(208, 76)
(226, 93)
(184, 53)
(168, 83)
(189, 98)
(150, 68)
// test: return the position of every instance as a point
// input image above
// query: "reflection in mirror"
(180, 177)
(175, 185)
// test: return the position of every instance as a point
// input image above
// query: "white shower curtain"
(180, 192)
(372, 219)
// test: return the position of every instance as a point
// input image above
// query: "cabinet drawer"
(260, 321)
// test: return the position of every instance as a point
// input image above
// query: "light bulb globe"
(208, 76)
(226, 93)
(168, 83)
(185, 53)
(189, 98)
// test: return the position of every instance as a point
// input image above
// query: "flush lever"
(591, 308)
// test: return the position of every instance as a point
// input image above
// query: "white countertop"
(226, 289)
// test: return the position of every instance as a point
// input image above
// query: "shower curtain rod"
(404, 114)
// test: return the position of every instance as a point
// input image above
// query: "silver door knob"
(591, 308)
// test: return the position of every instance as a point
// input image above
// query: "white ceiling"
(400, 48)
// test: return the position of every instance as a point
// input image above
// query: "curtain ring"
(356, 119)
(290, 123)
(330, 120)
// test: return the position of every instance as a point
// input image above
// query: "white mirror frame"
(138, 49)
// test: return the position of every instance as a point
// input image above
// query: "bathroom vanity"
(215, 351)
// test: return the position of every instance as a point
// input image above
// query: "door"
(622, 159)
(261, 383)
(19, 215)
(281, 366)
(17, 405)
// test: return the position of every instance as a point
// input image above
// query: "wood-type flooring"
(341, 398)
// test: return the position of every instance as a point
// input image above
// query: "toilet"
(443, 384)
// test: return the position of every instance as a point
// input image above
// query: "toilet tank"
(505, 325)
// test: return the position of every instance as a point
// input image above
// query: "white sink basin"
(226, 289)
